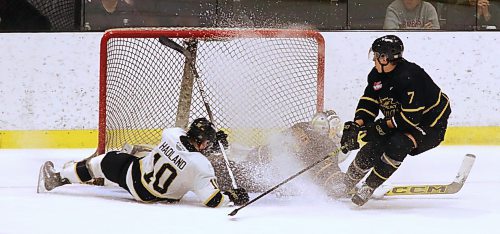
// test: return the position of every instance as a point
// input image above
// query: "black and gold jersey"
(407, 95)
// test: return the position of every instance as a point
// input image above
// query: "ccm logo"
(437, 189)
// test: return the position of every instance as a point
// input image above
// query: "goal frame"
(200, 33)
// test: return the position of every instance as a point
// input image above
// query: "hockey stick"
(333, 153)
(451, 188)
(175, 46)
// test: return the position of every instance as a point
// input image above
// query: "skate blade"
(41, 182)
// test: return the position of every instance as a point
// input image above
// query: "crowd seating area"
(324, 15)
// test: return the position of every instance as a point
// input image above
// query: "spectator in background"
(134, 13)
(487, 14)
(411, 14)
(20, 15)
(111, 5)
(473, 14)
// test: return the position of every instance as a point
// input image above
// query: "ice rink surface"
(87, 209)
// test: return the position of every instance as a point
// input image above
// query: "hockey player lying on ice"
(166, 173)
(306, 142)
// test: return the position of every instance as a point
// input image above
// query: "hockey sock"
(354, 174)
(364, 161)
(382, 171)
(396, 150)
(83, 171)
(76, 172)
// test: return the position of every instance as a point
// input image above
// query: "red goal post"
(257, 81)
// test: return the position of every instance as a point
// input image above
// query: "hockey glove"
(238, 196)
(376, 130)
(349, 140)
(221, 137)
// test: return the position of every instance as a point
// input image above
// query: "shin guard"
(395, 152)
(382, 171)
(82, 171)
(364, 161)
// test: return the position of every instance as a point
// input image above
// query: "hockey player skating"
(415, 118)
(166, 173)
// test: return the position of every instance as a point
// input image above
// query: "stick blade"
(234, 212)
(452, 188)
(465, 168)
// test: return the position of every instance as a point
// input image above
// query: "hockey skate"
(48, 178)
(362, 195)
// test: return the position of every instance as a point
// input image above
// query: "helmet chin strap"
(382, 65)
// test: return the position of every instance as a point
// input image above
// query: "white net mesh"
(256, 82)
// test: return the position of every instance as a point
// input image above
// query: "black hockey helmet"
(389, 46)
(201, 129)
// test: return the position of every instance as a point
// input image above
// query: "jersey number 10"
(161, 176)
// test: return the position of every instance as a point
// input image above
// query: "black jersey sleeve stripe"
(413, 110)
(368, 103)
(369, 99)
(366, 111)
(435, 104)
(215, 200)
(367, 108)
(442, 112)
(407, 119)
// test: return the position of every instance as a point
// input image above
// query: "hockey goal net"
(256, 81)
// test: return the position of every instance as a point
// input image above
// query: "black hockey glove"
(238, 196)
(376, 130)
(221, 137)
(349, 140)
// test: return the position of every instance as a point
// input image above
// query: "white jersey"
(169, 171)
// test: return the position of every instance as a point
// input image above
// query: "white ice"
(86, 209)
